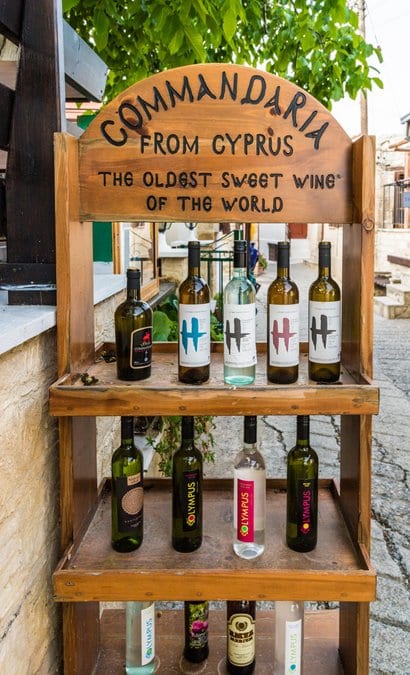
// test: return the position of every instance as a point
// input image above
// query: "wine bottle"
(140, 638)
(249, 503)
(324, 322)
(133, 332)
(194, 320)
(196, 631)
(302, 491)
(240, 634)
(283, 323)
(239, 314)
(187, 492)
(289, 619)
(127, 491)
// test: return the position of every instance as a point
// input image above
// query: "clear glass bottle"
(324, 322)
(249, 503)
(140, 638)
(133, 332)
(196, 647)
(127, 495)
(194, 319)
(289, 623)
(302, 491)
(239, 315)
(240, 637)
(283, 323)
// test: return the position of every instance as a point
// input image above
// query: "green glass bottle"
(196, 647)
(127, 491)
(324, 322)
(187, 492)
(302, 491)
(133, 332)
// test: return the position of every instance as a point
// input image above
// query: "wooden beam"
(85, 72)
(11, 14)
(6, 107)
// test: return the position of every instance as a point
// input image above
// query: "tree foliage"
(314, 43)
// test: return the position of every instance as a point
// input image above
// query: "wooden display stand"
(213, 143)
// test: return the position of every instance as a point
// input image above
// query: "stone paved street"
(390, 614)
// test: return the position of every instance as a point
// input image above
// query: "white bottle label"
(194, 334)
(252, 482)
(284, 335)
(239, 335)
(147, 634)
(324, 331)
(293, 647)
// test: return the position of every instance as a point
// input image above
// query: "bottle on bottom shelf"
(289, 620)
(140, 638)
(196, 631)
(240, 637)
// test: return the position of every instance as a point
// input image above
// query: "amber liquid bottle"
(133, 332)
(240, 635)
(194, 318)
(324, 322)
(302, 491)
(283, 323)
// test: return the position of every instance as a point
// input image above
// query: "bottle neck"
(194, 261)
(250, 432)
(283, 261)
(187, 431)
(133, 290)
(302, 433)
(324, 261)
(127, 430)
(239, 261)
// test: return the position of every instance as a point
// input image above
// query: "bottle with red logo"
(133, 332)
(302, 491)
(249, 495)
(283, 323)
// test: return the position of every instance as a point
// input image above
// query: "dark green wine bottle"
(302, 491)
(240, 637)
(194, 319)
(196, 631)
(127, 491)
(133, 332)
(187, 492)
(324, 322)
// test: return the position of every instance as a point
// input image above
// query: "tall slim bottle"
(239, 314)
(283, 323)
(249, 503)
(133, 332)
(127, 491)
(187, 492)
(324, 322)
(302, 491)
(196, 647)
(140, 638)
(240, 637)
(289, 620)
(194, 319)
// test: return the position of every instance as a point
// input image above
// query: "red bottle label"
(245, 510)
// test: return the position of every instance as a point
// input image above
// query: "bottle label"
(194, 335)
(284, 335)
(198, 625)
(147, 634)
(293, 647)
(324, 331)
(239, 335)
(245, 520)
(306, 496)
(190, 500)
(129, 493)
(241, 639)
(141, 347)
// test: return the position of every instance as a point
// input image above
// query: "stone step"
(390, 309)
(399, 292)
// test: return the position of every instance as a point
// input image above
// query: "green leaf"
(176, 42)
(161, 326)
(229, 24)
(69, 4)
(101, 24)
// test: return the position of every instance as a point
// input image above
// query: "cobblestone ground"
(390, 614)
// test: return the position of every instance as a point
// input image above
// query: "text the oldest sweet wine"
(302, 491)
(240, 637)
(127, 491)
(324, 322)
(283, 323)
(133, 332)
(194, 315)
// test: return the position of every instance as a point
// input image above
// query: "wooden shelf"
(335, 570)
(162, 393)
(321, 655)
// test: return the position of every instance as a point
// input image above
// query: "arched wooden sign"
(215, 142)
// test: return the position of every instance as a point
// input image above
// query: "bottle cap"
(302, 423)
(250, 428)
(239, 245)
(187, 427)
(133, 273)
(193, 244)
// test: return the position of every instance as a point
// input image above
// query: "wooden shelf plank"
(163, 393)
(321, 655)
(335, 570)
